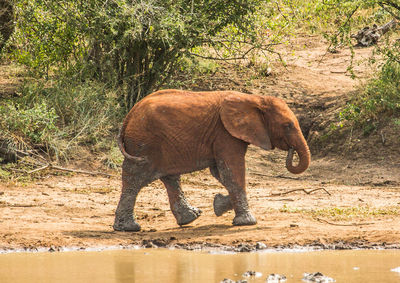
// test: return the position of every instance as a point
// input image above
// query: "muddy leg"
(184, 213)
(134, 177)
(221, 203)
(233, 179)
(230, 162)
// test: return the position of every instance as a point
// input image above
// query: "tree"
(380, 100)
(6, 21)
(133, 45)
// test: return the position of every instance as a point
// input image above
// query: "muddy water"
(158, 265)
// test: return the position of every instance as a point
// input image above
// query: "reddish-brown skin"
(172, 132)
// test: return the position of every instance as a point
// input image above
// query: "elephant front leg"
(243, 216)
(233, 178)
(184, 213)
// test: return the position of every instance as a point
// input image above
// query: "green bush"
(382, 94)
(132, 45)
(86, 112)
(83, 114)
(36, 123)
(379, 100)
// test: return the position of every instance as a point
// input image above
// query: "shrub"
(84, 114)
(381, 97)
(36, 124)
(132, 45)
(6, 21)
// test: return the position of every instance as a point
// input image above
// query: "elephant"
(173, 132)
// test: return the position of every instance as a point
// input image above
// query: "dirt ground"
(347, 198)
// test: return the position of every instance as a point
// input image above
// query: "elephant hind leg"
(184, 213)
(134, 178)
(221, 203)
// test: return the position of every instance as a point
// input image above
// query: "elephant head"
(266, 122)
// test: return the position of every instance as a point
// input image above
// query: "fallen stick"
(297, 190)
(38, 169)
(286, 177)
(51, 166)
(6, 204)
(270, 176)
(343, 224)
(82, 171)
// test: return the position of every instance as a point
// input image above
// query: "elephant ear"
(242, 117)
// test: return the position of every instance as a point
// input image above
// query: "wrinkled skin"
(173, 132)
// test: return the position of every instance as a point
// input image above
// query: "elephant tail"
(122, 147)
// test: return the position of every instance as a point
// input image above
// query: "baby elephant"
(173, 132)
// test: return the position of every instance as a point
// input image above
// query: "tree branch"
(382, 4)
(302, 190)
(343, 224)
(243, 56)
(349, 16)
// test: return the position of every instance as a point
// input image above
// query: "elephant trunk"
(304, 156)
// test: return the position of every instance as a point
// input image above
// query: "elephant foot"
(244, 219)
(221, 204)
(126, 225)
(186, 214)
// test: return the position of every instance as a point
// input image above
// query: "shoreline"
(207, 247)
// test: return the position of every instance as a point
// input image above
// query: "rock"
(317, 277)
(243, 248)
(54, 249)
(252, 273)
(276, 278)
(160, 242)
(261, 246)
(233, 281)
(148, 244)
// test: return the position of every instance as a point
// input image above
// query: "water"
(160, 265)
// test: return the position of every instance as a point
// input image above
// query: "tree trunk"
(6, 21)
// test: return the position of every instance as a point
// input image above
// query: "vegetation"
(88, 62)
(379, 101)
(344, 213)
(91, 61)
(6, 21)
(133, 46)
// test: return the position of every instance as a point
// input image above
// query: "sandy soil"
(345, 199)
